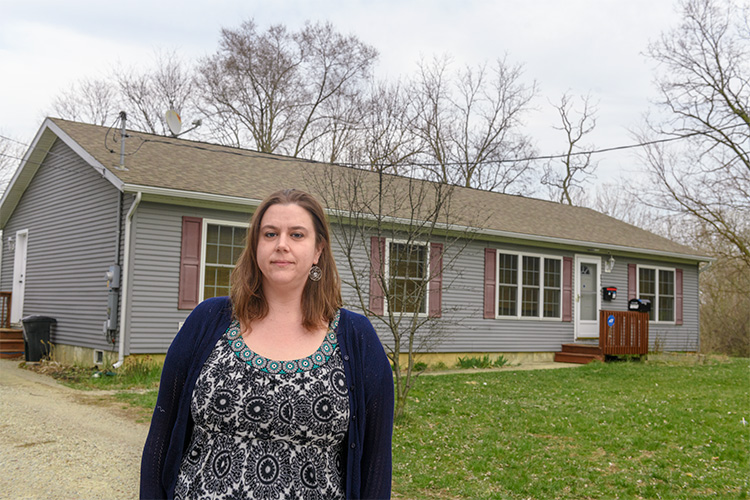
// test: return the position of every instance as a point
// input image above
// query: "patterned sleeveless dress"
(267, 429)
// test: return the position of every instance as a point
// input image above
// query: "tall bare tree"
(566, 177)
(285, 91)
(704, 81)
(470, 122)
(147, 95)
(89, 100)
(386, 140)
(144, 94)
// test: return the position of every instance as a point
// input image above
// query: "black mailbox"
(609, 293)
(640, 305)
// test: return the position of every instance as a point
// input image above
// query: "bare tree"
(725, 305)
(704, 81)
(469, 123)
(397, 243)
(284, 91)
(387, 140)
(88, 100)
(11, 154)
(147, 95)
(566, 178)
(144, 94)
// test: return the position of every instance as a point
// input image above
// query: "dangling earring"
(315, 273)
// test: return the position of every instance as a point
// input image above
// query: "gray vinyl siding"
(669, 336)
(153, 315)
(462, 327)
(70, 212)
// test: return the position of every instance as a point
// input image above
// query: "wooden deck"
(621, 333)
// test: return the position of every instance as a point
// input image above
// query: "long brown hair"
(320, 299)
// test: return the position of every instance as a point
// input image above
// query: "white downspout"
(125, 281)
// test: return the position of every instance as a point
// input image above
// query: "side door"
(19, 275)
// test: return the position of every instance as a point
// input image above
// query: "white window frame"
(519, 285)
(655, 304)
(387, 273)
(204, 238)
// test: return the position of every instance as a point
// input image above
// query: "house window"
(658, 286)
(407, 277)
(223, 246)
(534, 279)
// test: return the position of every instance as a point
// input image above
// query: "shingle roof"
(197, 167)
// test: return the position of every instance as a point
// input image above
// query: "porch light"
(609, 264)
(10, 243)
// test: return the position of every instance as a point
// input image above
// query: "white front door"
(19, 276)
(587, 296)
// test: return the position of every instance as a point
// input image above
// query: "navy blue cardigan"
(368, 375)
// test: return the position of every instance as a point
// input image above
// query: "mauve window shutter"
(377, 254)
(632, 281)
(436, 282)
(567, 292)
(489, 283)
(678, 296)
(190, 262)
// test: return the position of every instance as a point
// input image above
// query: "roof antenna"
(123, 135)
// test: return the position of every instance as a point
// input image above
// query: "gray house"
(119, 241)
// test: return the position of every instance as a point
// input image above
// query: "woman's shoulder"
(214, 305)
(215, 308)
(354, 325)
(354, 318)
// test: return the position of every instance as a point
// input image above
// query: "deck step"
(11, 348)
(582, 349)
(581, 359)
(11, 343)
(11, 333)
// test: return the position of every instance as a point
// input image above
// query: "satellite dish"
(173, 122)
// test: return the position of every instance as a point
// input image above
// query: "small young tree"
(397, 238)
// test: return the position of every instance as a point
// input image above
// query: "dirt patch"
(59, 443)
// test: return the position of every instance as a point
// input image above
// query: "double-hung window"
(529, 286)
(407, 276)
(223, 244)
(658, 285)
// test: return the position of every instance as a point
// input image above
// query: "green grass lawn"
(615, 430)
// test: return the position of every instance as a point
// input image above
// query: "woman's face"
(286, 246)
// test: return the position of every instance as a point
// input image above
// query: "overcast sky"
(580, 46)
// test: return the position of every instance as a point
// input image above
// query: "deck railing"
(623, 332)
(5, 309)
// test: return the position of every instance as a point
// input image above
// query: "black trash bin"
(36, 336)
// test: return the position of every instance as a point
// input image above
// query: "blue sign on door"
(611, 320)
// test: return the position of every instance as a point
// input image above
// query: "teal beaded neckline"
(311, 362)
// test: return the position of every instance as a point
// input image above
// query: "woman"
(276, 392)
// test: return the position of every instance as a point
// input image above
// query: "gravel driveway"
(55, 445)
